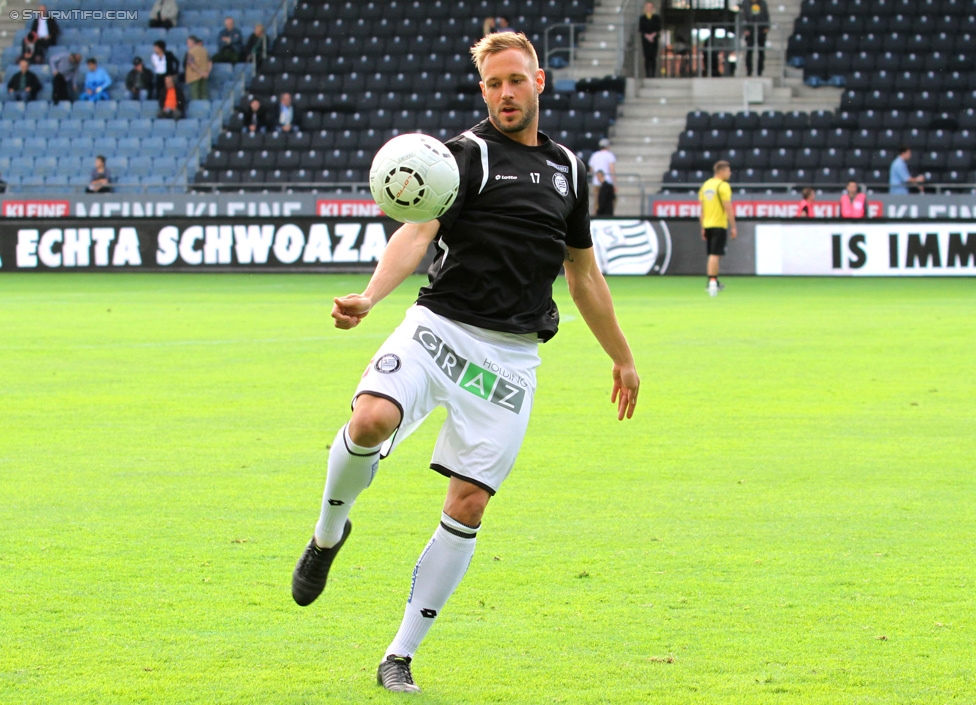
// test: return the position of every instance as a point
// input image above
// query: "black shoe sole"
(303, 591)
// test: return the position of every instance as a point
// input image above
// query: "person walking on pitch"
(717, 221)
(470, 342)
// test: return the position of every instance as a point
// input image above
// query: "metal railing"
(715, 49)
(566, 56)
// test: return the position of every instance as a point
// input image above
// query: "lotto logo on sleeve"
(470, 377)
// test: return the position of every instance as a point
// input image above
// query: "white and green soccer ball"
(414, 178)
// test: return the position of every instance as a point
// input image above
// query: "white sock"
(351, 469)
(437, 574)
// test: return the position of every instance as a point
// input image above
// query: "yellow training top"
(712, 195)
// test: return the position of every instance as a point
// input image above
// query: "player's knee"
(466, 503)
(373, 421)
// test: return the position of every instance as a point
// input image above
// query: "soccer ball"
(414, 178)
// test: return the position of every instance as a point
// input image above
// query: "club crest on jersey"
(388, 364)
(561, 184)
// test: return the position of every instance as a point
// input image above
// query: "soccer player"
(717, 221)
(470, 343)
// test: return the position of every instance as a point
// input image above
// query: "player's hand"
(703, 234)
(349, 310)
(733, 233)
(626, 383)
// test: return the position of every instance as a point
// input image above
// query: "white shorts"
(485, 379)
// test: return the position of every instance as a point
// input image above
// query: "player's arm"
(730, 214)
(403, 254)
(592, 297)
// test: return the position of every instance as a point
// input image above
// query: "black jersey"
(503, 242)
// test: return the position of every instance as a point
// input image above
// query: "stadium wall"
(223, 205)
(624, 246)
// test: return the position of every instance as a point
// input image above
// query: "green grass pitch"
(789, 518)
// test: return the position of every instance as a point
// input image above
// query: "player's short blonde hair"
(500, 41)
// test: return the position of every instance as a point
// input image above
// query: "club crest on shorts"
(388, 364)
(561, 184)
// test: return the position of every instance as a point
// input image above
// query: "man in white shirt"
(286, 114)
(602, 160)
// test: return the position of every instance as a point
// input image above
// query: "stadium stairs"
(9, 28)
(650, 120)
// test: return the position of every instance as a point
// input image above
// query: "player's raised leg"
(353, 460)
(438, 572)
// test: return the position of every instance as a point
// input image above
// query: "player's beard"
(529, 113)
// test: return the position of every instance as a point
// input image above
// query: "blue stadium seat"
(198, 109)
(129, 147)
(45, 166)
(141, 166)
(106, 109)
(35, 146)
(188, 127)
(141, 128)
(129, 109)
(48, 128)
(176, 145)
(37, 109)
(22, 166)
(82, 109)
(72, 165)
(165, 165)
(164, 128)
(106, 145)
(70, 127)
(59, 145)
(32, 182)
(14, 110)
(152, 146)
(12, 146)
(117, 127)
(83, 146)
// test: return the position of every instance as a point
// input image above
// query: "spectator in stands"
(502, 24)
(31, 50)
(46, 28)
(24, 84)
(488, 26)
(230, 43)
(853, 203)
(64, 74)
(286, 120)
(164, 14)
(806, 205)
(607, 194)
(164, 63)
(138, 82)
(755, 27)
(602, 160)
(256, 117)
(650, 30)
(899, 177)
(3, 186)
(172, 101)
(101, 178)
(97, 82)
(198, 67)
(257, 46)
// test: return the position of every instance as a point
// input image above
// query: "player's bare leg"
(353, 460)
(713, 284)
(439, 571)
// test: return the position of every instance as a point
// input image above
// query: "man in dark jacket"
(755, 27)
(256, 117)
(164, 63)
(46, 28)
(24, 84)
(138, 82)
